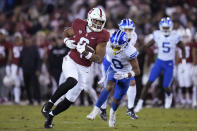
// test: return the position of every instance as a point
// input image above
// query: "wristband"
(65, 39)
(132, 73)
(89, 55)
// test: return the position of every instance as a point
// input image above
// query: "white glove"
(69, 43)
(102, 80)
(81, 47)
(120, 75)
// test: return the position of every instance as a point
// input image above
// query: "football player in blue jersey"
(124, 66)
(166, 40)
(126, 25)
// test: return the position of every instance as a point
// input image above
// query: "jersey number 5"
(166, 47)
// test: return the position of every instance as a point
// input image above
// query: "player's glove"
(120, 75)
(69, 43)
(81, 47)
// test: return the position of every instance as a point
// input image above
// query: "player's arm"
(194, 55)
(182, 47)
(98, 56)
(135, 68)
(67, 33)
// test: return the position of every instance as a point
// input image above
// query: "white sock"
(104, 106)
(131, 94)
(194, 99)
(17, 94)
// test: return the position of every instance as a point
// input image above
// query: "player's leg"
(70, 80)
(119, 91)
(131, 94)
(70, 96)
(167, 80)
(16, 90)
(155, 71)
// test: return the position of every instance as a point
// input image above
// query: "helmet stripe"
(100, 12)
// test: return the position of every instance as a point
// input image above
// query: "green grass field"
(21, 118)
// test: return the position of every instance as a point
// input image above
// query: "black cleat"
(48, 122)
(46, 109)
(131, 113)
(103, 114)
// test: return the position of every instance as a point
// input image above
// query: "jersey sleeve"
(133, 39)
(155, 35)
(131, 52)
(76, 23)
(177, 38)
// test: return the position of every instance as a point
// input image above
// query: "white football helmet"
(166, 26)
(95, 15)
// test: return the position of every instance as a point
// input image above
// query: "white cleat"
(94, 113)
(139, 105)
(112, 118)
(168, 101)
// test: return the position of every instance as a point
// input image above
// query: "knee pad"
(69, 83)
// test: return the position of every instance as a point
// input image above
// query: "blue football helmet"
(127, 25)
(118, 41)
(166, 25)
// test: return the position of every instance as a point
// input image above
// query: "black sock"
(63, 88)
(62, 106)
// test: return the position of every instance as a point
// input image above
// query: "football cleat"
(131, 113)
(103, 114)
(48, 121)
(94, 113)
(112, 118)
(46, 109)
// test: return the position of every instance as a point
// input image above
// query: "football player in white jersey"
(166, 41)
(124, 66)
(126, 25)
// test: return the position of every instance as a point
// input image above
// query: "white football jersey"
(166, 45)
(120, 62)
(133, 38)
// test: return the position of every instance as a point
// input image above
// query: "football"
(89, 49)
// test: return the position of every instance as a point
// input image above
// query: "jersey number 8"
(117, 64)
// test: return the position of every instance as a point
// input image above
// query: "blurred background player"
(5, 59)
(184, 71)
(166, 40)
(16, 71)
(82, 34)
(128, 27)
(124, 66)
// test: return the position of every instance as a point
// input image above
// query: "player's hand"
(69, 43)
(81, 47)
(120, 75)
